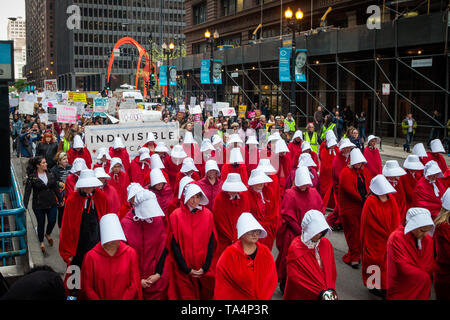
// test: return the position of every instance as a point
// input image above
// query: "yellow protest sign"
(79, 97)
(242, 111)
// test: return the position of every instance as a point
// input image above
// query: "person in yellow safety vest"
(289, 126)
(328, 124)
(311, 137)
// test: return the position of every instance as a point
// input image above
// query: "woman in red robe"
(140, 167)
(118, 150)
(262, 205)
(110, 192)
(410, 259)
(156, 163)
(379, 218)
(178, 200)
(246, 270)
(188, 169)
(311, 269)
(174, 163)
(162, 190)
(441, 239)
(119, 179)
(103, 159)
(306, 147)
(227, 208)
(78, 150)
(446, 179)
(393, 172)
(295, 148)
(353, 191)
(150, 144)
(192, 252)
(132, 190)
(274, 186)
(191, 147)
(372, 155)
(414, 171)
(211, 183)
(430, 189)
(326, 155)
(298, 200)
(236, 165)
(281, 161)
(110, 270)
(305, 161)
(219, 154)
(436, 149)
(251, 154)
(145, 231)
(78, 165)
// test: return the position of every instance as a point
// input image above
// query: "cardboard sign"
(66, 114)
(195, 109)
(193, 101)
(26, 107)
(242, 111)
(80, 108)
(112, 103)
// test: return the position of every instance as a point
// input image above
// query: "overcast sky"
(14, 8)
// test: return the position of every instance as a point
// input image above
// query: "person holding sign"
(78, 150)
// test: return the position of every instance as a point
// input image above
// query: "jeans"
(60, 216)
(40, 217)
(362, 133)
(409, 139)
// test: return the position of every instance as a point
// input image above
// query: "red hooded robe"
(373, 161)
(251, 159)
(326, 157)
(295, 150)
(172, 169)
(282, 164)
(210, 191)
(409, 182)
(120, 182)
(121, 153)
(180, 175)
(228, 168)
(137, 173)
(436, 156)
(113, 198)
(424, 196)
(71, 181)
(164, 197)
(85, 154)
(441, 239)
(339, 163)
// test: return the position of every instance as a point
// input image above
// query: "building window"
(199, 13)
(230, 7)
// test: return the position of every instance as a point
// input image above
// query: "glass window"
(199, 13)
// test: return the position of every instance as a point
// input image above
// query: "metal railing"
(17, 213)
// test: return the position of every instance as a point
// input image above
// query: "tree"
(20, 85)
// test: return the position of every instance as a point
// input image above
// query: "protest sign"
(100, 107)
(193, 101)
(14, 102)
(66, 114)
(43, 117)
(228, 112)
(133, 135)
(130, 115)
(31, 98)
(208, 105)
(182, 108)
(26, 107)
(128, 104)
(52, 114)
(112, 103)
(79, 97)
(215, 110)
(80, 108)
(242, 111)
(195, 109)
(88, 111)
(51, 85)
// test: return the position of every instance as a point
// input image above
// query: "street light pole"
(211, 42)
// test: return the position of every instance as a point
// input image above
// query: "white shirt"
(43, 177)
(410, 124)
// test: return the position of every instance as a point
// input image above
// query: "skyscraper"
(16, 32)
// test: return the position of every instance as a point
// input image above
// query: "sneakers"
(354, 265)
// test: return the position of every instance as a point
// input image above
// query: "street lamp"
(293, 24)
(212, 42)
(167, 50)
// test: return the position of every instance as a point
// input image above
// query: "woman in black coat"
(48, 148)
(61, 171)
(45, 197)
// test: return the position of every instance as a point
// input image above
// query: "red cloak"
(137, 174)
(400, 199)
(147, 178)
(378, 221)
(70, 228)
(238, 277)
(409, 182)
(85, 154)
(228, 168)
(181, 175)
(120, 182)
(105, 167)
(149, 240)
(172, 169)
(193, 151)
(290, 181)
(210, 190)
(295, 150)
(439, 158)
(282, 164)
(126, 206)
(192, 232)
(350, 207)
(293, 208)
(409, 270)
(226, 213)
(441, 239)
(424, 196)
(220, 156)
(315, 158)
(111, 278)
(446, 179)
(373, 158)
(339, 163)
(121, 153)
(305, 278)
(326, 157)
(266, 213)
(71, 181)
(251, 158)
(164, 197)
(113, 198)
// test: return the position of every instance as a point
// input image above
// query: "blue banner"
(204, 72)
(284, 65)
(217, 72)
(163, 75)
(300, 65)
(172, 76)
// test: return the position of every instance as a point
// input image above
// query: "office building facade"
(16, 31)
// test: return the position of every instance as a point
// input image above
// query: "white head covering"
(161, 147)
(356, 157)
(111, 229)
(266, 166)
(412, 162)
(78, 165)
(233, 183)
(446, 200)
(431, 167)
(155, 162)
(216, 139)
(297, 134)
(393, 169)
(281, 146)
(252, 140)
(77, 142)
(191, 190)
(207, 145)
(118, 143)
(330, 135)
(188, 165)
(313, 223)
(345, 143)
(103, 152)
(183, 182)
(156, 176)
(178, 152)
(436, 146)
(100, 173)
(144, 153)
(147, 206)
(274, 137)
(188, 138)
(246, 223)
(133, 189)
(305, 160)
(306, 146)
(257, 177)
(88, 179)
(419, 150)
(236, 156)
(150, 137)
(417, 218)
(211, 165)
(379, 185)
(234, 138)
(373, 137)
(331, 142)
(302, 177)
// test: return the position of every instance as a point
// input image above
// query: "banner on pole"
(284, 65)
(173, 76)
(217, 72)
(163, 75)
(300, 65)
(204, 71)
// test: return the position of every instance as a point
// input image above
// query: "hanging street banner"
(284, 65)
(133, 135)
(300, 65)
(163, 75)
(204, 71)
(173, 76)
(7, 60)
(217, 72)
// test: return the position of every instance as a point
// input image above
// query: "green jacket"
(405, 126)
(323, 134)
